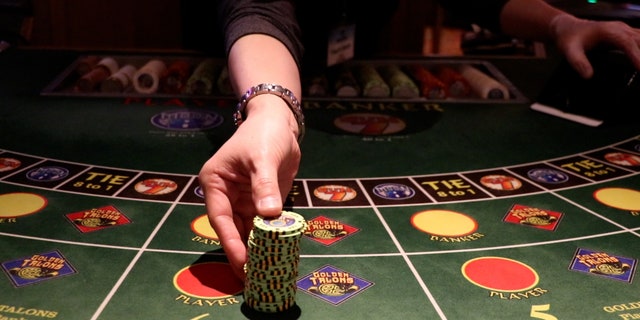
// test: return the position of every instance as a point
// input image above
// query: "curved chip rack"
(63, 84)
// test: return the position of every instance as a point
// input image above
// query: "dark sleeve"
(485, 13)
(276, 18)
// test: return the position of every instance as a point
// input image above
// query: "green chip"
(272, 267)
(270, 307)
(277, 260)
(267, 286)
(270, 299)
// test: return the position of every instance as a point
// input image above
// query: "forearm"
(529, 19)
(255, 59)
(258, 58)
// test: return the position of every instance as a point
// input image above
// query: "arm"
(537, 20)
(253, 171)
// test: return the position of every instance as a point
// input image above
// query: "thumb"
(577, 58)
(266, 193)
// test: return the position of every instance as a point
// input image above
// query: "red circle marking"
(210, 280)
(500, 274)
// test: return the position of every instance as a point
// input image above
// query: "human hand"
(250, 175)
(574, 37)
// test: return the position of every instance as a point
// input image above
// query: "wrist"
(269, 108)
(559, 23)
(271, 90)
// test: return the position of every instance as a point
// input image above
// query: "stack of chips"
(272, 268)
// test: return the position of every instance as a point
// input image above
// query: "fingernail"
(268, 203)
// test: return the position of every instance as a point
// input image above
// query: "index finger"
(224, 223)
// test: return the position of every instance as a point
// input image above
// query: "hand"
(574, 37)
(250, 175)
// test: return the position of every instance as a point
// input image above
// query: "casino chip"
(272, 268)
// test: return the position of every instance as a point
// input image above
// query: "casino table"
(467, 209)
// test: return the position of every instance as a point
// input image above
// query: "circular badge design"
(187, 120)
(49, 173)
(335, 193)
(8, 164)
(370, 124)
(156, 187)
(393, 191)
(548, 176)
(286, 223)
(199, 192)
(501, 182)
(281, 222)
(623, 159)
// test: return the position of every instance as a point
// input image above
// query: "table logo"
(545, 175)
(8, 164)
(501, 182)
(36, 268)
(534, 217)
(98, 218)
(603, 264)
(155, 187)
(328, 231)
(187, 120)
(333, 285)
(49, 173)
(335, 193)
(393, 191)
(198, 191)
(370, 124)
(623, 159)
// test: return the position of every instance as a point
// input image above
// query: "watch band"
(275, 89)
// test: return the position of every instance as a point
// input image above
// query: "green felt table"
(474, 210)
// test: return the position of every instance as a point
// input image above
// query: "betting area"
(514, 242)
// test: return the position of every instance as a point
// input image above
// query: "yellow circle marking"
(18, 204)
(619, 198)
(444, 223)
(202, 227)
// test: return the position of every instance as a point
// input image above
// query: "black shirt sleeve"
(277, 18)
